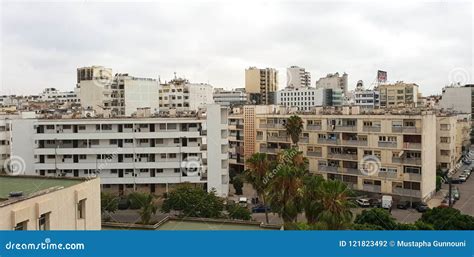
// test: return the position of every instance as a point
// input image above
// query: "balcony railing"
(304, 140)
(353, 171)
(328, 141)
(327, 168)
(268, 150)
(372, 188)
(342, 156)
(387, 144)
(277, 138)
(415, 161)
(314, 154)
(371, 129)
(412, 176)
(270, 125)
(313, 127)
(406, 192)
(354, 142)
(406, 130)
(259, 137)
(409, 145)
(345, 128)
(388, 174)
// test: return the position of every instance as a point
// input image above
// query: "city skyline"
(424, 43)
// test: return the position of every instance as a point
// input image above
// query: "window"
(49, 126)
(444, 140)
(43, 222)
(444, 152)
(21, 226)
(172, 155)
(82, 157)
(81, 209)
(82, 127)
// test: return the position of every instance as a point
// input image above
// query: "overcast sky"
(428, 43)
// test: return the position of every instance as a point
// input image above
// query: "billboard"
(381, 76)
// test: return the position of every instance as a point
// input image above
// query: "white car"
(467, 173)
(363, 202)
(463, 178)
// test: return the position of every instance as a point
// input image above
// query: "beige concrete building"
(399, 94)
(337, 140)
(261, 85)
(446, 130)
(40, 203)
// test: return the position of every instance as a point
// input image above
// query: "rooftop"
(31, 186)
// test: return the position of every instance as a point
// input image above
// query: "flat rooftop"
(31, 185)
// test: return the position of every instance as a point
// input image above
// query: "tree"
(312, 198)
(191, 201)
(336, 206)
(256, 175)
(108, 204)
(294, 127)
(439, 182)
(365, 227)
(147, 209)
(447, 219)
(238, 183)
(238, 212)
(378, 217)
(284, 192)
(136, 200)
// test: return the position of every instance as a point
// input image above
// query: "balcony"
(342, 156)
(412, 176)
(410, 130)
(414, 161)
(271, 125)
(354, 142)
(304, 140)
(277, 138)
(352, 171)
(387, 144)
(327, 141)
(408, 145)
(372, 188)
(314, 154)
(259, 137)
(387, 175)
(345, 128)
(323, 168)
(313, 127)
(371, 129)
(406, 192)
(268, 150)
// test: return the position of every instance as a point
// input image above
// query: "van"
(387, 202)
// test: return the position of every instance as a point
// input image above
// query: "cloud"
(208, 41)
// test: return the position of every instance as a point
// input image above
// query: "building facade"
(261, 84)
(234, 97)
(181, 95)
(334, 81)
(129, 154)
(366, 98)
(297, 77)
(306, 98)
(398, 95)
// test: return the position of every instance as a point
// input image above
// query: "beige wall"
(62, 206)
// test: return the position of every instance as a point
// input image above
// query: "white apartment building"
(366, 98)
(54, 95)
(232, 97)
(297, 77)
(181, 95)
(333, 81)
(458, 98)
(144, 154)
(306, 98)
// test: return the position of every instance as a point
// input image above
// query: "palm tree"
(312, 198)
(148, 208)
(258, 166)
(294, 127)
(284, 192)
(336, 211)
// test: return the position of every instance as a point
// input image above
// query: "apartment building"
(181, 95)
(399, 94)
(119, 95)
(337, 140)
(129, 154)
(334, 81)
(46, 203)
(234, 97)
(54, 95)
(297, 77)
(261, 85)
(366, 98)
(446, 142)
(306, 98)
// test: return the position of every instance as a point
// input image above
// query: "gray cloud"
(208, 41)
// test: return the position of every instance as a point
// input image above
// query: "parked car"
(363, 202)
(466, 161)
(123, 204)
(455, 181)
(243, 202)
(420, 207)
(375, 202)
(462, 178)
(260, 208)
(403, 205)
(453, 200)
(467, 173)
(455, 193)
(387, 202)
